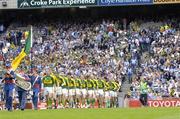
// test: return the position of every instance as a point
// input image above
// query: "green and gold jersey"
(107, 86)
(54, 78)
(84, 83)
(115, 87)
(90, 84)
(65, 82)
(111, 85)
(95, 82)
(60, 80)
(78, 83)
(101, 84)
(71, 83)
(48, 81)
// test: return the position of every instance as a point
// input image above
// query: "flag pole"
(31, 30)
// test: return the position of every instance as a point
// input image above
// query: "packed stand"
(160, 65)
(111, 50)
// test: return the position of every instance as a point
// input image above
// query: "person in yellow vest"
(143, 92)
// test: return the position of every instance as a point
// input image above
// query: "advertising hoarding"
(55, 3)
(124, 2)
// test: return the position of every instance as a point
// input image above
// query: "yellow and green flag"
(25, 51)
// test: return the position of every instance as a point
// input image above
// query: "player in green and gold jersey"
(84, 92)
(116, 90)
(59, 93)
(107, 94)
(78, 92)
(101, 86)
(90, 96)
(64, 91)
(112, 87)
(71, 86)
(49, 84)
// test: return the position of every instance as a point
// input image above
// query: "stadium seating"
(104, 49)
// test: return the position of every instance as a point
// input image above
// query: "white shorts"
(65, 92)
(112, 94)
(71, 92)
(84, 92)
(96, 92)
(90, 93)
(78, 92)
(48, 90)
(100, 92)
(107, 94)
(59, 91)
(115, 94)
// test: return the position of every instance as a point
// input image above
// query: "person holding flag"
(9, 79)
(24, 52)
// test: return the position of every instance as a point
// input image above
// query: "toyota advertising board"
(174, 102)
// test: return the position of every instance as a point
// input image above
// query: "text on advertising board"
(166, 1)
(54, 3)
(124, 2)
(164, 103)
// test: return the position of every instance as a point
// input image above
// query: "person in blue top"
(22, 94)
(9, 82)
(36, 88)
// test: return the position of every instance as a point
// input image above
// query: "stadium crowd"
(111, 50)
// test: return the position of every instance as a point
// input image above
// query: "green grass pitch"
(118, 113)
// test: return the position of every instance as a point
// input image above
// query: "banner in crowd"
(166, 1)
(55, 3)
(124, 2)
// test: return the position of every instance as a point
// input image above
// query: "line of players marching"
(62, 91)
(84, 92)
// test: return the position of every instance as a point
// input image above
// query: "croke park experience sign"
(54, 3)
